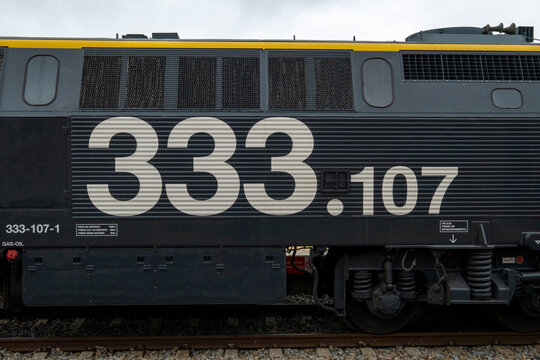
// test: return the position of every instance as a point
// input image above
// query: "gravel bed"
(385, 353)
(213, 320)
(270, 323)
(251, 320)
(307, 299)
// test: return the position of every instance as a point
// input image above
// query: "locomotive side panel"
(360, 183)
(433, 170)
(168, 176)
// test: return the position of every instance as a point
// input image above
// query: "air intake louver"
(287, 83)
(100, 82)
(475, 67)
(197, 83)
(241, 83)
(145, 82)
(333, 83)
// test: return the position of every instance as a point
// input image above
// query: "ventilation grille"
(197, 83)
(145, 82)
(205, 81)
(287, 83)
(100, 82)
(241, 83)
(333, 84)
(480, 67)
(1, 62)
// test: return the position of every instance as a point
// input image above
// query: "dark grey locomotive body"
(172, 175)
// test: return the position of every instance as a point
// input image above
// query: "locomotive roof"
(78, 43)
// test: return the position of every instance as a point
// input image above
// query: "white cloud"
(307, 19)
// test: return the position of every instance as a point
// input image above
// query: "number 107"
(367, 178)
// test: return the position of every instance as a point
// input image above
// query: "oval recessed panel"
(506, 98)
(41, 78)
(377, 84)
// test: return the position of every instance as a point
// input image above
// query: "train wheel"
(523, 313)
(364, 315)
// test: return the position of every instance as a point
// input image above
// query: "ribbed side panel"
(498, 163)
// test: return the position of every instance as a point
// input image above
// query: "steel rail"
(271, 341)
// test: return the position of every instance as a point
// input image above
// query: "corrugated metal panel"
(498, 163)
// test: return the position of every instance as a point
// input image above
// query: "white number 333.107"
(228, 181)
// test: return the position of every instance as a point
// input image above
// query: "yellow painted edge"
(78, 44)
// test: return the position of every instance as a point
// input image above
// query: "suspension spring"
(406, 281)
(362, 283)
(479, 267)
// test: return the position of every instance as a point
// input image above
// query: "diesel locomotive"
(161, 171)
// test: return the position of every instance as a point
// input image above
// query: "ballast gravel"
(296, 316)
(187, 322)
(232, 321)
(384, 353)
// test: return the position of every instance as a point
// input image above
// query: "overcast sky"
(262, 19)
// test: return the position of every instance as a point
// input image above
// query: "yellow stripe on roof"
(284, 45)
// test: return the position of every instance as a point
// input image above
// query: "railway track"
(271, 341)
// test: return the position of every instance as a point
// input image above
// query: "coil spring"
(361, 280)
(361, 284)
(406, 281)
(479, 274)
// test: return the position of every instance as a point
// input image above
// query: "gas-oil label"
(453, 226)
(97, 229)
(508, 260)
